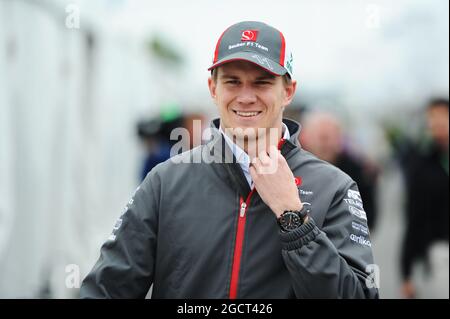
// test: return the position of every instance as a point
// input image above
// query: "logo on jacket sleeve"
(355, 204)
(249, 35)
(360, 240)
(119, 221)
(358, 212)
(354, 195)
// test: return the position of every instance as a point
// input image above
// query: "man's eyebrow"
(259, 78)
(228, 76)
(266, 77)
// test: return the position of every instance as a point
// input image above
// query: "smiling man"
(251, 102)
(276, 222)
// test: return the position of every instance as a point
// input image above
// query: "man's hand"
(275, 182)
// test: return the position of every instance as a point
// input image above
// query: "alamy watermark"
(72, 276)
(373, 278)
(373, 16)
(254, 141)
(73, 16)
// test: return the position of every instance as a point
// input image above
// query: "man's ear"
(212, 88)
(290, 90)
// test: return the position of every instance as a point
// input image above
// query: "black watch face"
(290, 221)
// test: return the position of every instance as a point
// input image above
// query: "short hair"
(437, 102)
(286, 78)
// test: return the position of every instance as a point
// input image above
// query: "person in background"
(426, 176)
(195, 125)
(155, 135)
(322, 134)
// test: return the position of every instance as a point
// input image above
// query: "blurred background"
(90, 91)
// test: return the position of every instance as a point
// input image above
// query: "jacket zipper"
(243, 207)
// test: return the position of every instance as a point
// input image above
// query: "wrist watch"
(291, 219)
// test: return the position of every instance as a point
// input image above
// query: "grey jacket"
(187, 231)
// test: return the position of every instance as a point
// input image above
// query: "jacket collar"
(223, 155)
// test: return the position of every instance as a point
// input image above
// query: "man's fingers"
(257, 165)
(253, 172)
(264, 158)
(276, 156)
(274, 153)
(268, 163)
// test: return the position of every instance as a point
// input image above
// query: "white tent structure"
(69, 101)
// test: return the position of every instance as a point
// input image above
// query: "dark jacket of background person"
(427, 204)
(155, 135)
(425, 166)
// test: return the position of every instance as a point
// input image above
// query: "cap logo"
(263, 61)
(249, 35)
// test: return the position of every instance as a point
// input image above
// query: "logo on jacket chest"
(305, 192)
(299, 182)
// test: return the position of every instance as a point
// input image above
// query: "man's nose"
(246, 95)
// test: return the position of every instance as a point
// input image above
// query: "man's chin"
(243, 133)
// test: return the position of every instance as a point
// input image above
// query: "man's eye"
(263, 82)
(232, 82)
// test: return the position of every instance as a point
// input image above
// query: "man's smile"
(247, 114)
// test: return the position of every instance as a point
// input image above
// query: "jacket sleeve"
(335, 261)
(126, 264)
